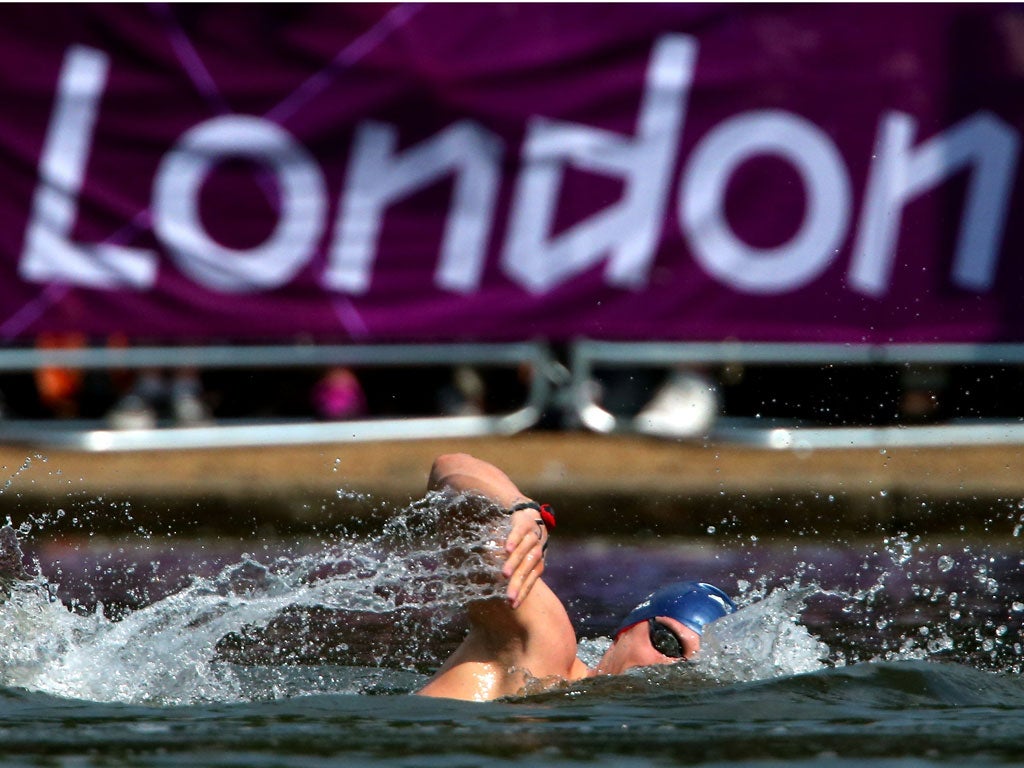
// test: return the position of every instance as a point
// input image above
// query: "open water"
(887, 650)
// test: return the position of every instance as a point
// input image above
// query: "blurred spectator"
(685, 406)
(60, 388)
(156, 392)
(922, 390)
(69, 393)
(338, 395)
(464, 395)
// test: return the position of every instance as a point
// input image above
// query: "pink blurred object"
(338, 395)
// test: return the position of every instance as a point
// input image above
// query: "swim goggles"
(664, 640)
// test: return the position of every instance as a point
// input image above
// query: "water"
(145, 650)
(890, 713)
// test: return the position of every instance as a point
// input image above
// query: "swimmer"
(527, 635)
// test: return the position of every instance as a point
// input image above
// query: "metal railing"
(588, 355)
(93, 436)
(550, 386)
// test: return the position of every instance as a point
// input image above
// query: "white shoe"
(686, 406)
(132, 413)
(190, 411)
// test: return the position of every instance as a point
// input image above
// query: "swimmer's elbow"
(444, 467)
(449, 462)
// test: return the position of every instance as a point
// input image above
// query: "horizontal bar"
(617, 353)
(273, 356)
(810, 438)
(90, 437)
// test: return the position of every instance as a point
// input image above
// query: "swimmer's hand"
(524, 561)
(524, 544)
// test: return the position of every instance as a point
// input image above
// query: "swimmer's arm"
(524, 545)
(506, 649)
(510, 641)
(464, 473)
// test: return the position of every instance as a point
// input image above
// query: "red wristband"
(547, 513)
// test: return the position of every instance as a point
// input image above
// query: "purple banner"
(844, 173)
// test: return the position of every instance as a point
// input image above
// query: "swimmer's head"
(693, 604)
(666, 627)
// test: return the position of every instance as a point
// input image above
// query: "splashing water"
(388, 603)
(907, 599)
(409, 579)
(762, 641)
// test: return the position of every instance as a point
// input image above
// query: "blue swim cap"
(692, 603)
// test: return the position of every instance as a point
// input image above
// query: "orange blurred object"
(59, 388)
